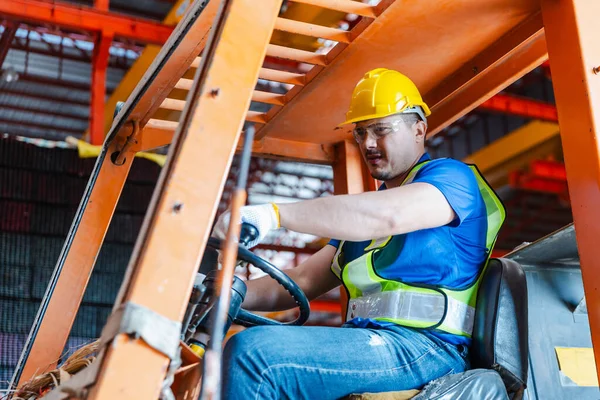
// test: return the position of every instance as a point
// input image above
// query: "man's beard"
(382, 175)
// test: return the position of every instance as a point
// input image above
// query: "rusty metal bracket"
(118, 157)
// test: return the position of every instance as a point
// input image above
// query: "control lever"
(197, 336)
(202, 300)
(248, 233)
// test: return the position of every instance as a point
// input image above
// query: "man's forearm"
(369, 215)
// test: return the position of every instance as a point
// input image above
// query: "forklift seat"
(500, 333)
(499, 343)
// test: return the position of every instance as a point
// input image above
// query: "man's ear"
(420, 128)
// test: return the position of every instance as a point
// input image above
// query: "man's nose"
(370, 141)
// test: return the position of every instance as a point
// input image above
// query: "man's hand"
(263, 217)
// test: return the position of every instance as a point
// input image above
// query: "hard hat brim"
(426, 113)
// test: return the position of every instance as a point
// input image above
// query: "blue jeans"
(296, 362)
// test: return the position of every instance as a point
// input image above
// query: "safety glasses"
(378, 130)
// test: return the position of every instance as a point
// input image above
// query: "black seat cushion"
(500, 332)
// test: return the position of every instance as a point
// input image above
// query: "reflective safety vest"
(416, 305)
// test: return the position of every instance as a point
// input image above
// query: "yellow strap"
(276, 208)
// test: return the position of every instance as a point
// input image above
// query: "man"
(408, 255)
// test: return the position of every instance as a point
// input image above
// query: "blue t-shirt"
(450, 255)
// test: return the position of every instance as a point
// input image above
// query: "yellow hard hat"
(382, 92)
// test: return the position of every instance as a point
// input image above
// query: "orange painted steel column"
(167, 254)
(98, 88)
(350, 176)
(572, 39)
(77, 258)
(46, 343)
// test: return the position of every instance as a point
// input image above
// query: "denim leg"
(293, 362)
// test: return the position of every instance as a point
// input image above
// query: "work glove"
(263, 217)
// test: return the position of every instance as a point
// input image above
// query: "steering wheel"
(246, 318)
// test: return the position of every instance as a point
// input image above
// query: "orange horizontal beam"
(173, 104)
(509, 58)
(265, 73)
(282, 76)
(258, 95)
(85, 19)
(288, 53)
(158, 133)
(162, 124)
(522, 107)
(347, 6)
(292, 150)
(255, 116)
(318, 31)
(268, 97)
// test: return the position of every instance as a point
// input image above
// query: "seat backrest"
(500, 333)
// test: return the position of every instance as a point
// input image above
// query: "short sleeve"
(334, 242)
(457, 183)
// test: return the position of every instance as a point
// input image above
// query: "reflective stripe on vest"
(426, 306)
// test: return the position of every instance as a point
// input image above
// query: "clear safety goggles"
(381, 129)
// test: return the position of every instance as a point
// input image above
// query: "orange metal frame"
(571, 32)
(456, 69)
(87, 19)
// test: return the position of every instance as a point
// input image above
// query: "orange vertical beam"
(350, 176)
(165, 260)
(572, 38)
(75, 265)
(350, 173)
(98, 89)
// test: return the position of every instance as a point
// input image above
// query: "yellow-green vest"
(416, 305)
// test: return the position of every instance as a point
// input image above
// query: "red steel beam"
(520, 106)
(85, 19)
(498, 253)
(549, 169)
(98, 99)
(541, 176)
(524, 181)
(326, 306)
(101, 4)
